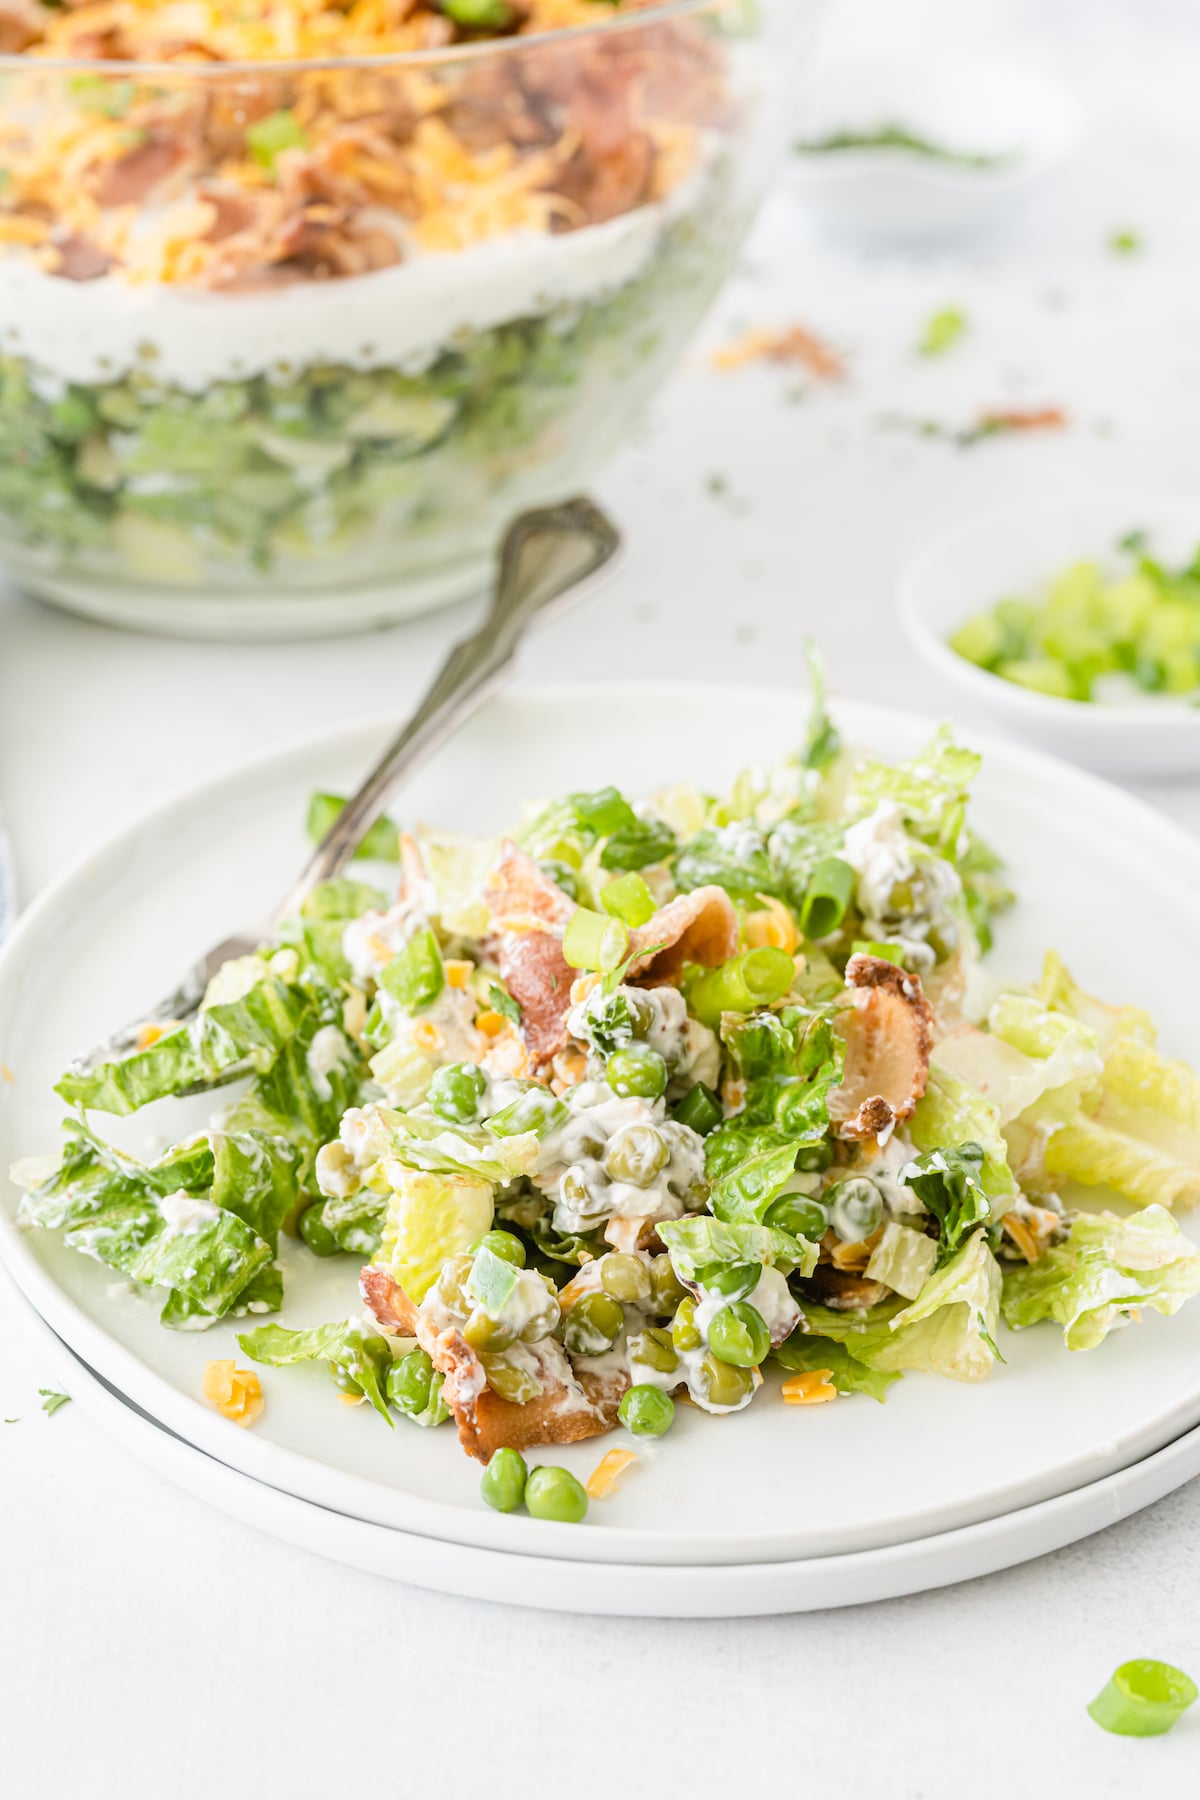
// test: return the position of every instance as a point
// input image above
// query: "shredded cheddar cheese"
(813, 1388)
(608, 1471)
(771, 927)
(236, 1393)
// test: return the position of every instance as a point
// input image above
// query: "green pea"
(592, 1325)
(637, 1154)
(504, 1480)
(511, 1383)
(855, 1208)
(316, 1232)
(483, 1332)
(504, 1245)
(814, 1157)
(636, 1073)
(685, 1333)
(451, 1285)
(733, 1281)
(456, 1091)
(646, 1411)
(654, 1348)
(409, 1382)
(555, 1494)
(801, 1216)
(626, 1278)
(738, 1335)
(666, 1289)
(722, 1383)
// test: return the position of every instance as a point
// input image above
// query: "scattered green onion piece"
(593, 941)
(756, 978)
(416, 975)
(381, 843)
(942, 331)
(700, 1110)
(603, 812)
(1143, 1698)
(827, 897)
(628, 899)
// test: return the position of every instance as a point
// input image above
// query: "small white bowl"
(1013, 553)
(992, 107)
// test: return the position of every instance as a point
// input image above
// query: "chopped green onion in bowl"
(1100, 633)
(1143, 1698)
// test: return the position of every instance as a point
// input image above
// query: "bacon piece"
(21, 24)
(843, 1290)
(520, 894)
(535, 973)
(134, 176)
(888, 1033)
(700, 927)
(79, 259)
(561, 1414)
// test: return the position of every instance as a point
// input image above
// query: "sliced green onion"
(756, 978)
(270, 137)
(594, 941)
(478, 15)
(1143, 1698)
(381, 843)
(628, 899)
(700, 1110)
(416, 975)
(826, 898)
(893, 953)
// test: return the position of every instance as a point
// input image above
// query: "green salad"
(1100, 632)
(688, 1097)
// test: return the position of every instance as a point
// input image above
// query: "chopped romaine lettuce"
(697, 1243)
(804, 1352)
(1106, 1270)
(430, 1217)
(948, 1183)
(930, 789)
(358, 1359)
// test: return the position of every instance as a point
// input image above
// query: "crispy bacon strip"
(560, 1414)
(700, 927)
(888, 1033)
(521, 896)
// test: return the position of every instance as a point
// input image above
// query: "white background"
(148, 1646)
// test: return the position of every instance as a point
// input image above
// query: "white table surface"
(149, 1646)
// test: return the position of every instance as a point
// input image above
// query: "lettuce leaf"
(948, 1184)
(200, 1222)
(697, 1242)
(930, 788)
(804, 1352)
(1107, 1268)
(951, 1112)
(948, 1330)
(352, 1352)
(1096, 1156)
(430, 1217)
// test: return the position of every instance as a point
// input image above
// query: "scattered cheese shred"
(458, 973)
(426, 1035)
(813, 1388)
(608, 1471)
(772, 927)
(236, 1393)
(149, 1035)
(1023, 1238)
(1044, 418)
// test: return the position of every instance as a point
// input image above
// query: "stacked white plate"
(770, 1510)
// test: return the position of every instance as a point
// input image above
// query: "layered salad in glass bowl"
(302, 300)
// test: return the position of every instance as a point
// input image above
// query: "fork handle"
(545, 556)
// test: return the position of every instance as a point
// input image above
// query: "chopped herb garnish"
(504, 1004)
(1125, 243)
(51, 1401)
(942, 331)
(900, 137)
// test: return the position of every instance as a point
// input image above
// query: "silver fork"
(545, 557)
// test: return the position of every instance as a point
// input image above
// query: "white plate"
(987, 105)
(1014, 552)
(705, 1591)
(770, 1484)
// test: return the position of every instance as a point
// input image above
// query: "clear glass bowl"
(283, 345)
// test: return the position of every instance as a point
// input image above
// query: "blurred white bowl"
(991, 107)
(1014, 552)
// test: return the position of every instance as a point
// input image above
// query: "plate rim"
(667, 1590)
(438, 1519)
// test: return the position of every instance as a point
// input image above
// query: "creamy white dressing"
(370, 942)
(327, 1052)
(570, 1165)
(185, 1214)
(402, 317)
